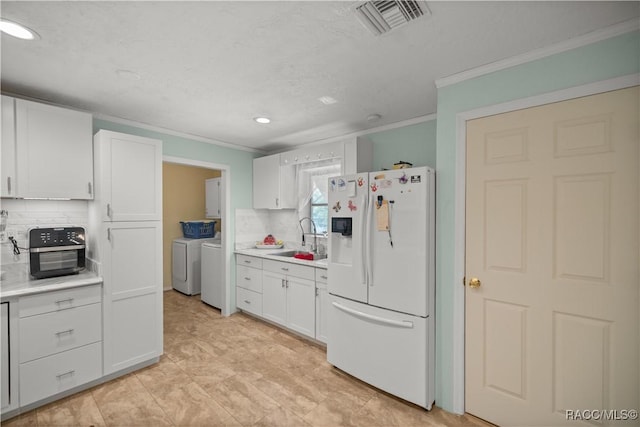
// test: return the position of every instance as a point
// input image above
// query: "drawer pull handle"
(247, 278)
(323, 277)
(246, 261)
(64, 374)
(247, 301)
(62, 301)
(284, 269)
(68, 331)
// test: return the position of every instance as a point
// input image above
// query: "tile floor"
(234, 371)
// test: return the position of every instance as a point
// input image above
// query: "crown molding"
(573, 43)
(365, 132)
(176, 133)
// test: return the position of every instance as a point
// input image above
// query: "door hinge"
(464, 281)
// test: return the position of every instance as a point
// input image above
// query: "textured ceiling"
(207, 68)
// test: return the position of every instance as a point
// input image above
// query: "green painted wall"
(415, 144)
(603, 60)
(240, 165)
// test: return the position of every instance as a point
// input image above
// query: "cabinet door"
(130, 183)
(4, 348)
(8, 154)
(266, 182)
(132, 272)
(212, 191)
(322, 301)
(54, 151)
(301, 305)
(274, 297)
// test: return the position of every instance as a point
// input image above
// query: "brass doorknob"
(474, 282)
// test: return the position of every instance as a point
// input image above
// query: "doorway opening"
(184, 199)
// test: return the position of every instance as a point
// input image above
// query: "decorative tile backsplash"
(26, 214)
(253, 225)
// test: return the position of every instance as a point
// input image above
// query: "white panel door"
(274, 297)
(4, 349)
(54, 151)
(322, 312)
(266, 182)
(400, 267)
(132, 271)
(301, 305)
(212, 198)
(8, 157)
(552, 234)
(130, 177)
(136, 179)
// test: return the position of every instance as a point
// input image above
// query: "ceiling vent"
(380, 17)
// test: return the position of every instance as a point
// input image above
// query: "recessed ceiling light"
(262, 120)
(373, 117)
(16, 30)
(327, 100)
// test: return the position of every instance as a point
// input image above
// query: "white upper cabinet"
(8, 147)
(129, 172)
(273, 186)
(358, 156)
(212, 196)
(53, 151)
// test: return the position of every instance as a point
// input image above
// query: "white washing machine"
(212, 281)
(185, 254)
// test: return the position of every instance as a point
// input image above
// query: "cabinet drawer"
(47, 302)
(50, 375)
(249, 261)
(249, 278)
(58, 331)
(289, 269)
(249, 301)
(321, 275)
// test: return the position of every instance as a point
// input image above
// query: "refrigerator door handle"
(363, 255)
(367, 240)
(391, 322)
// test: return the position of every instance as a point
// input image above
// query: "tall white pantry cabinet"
(125, 240)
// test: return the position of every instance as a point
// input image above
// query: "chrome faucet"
(314, 247)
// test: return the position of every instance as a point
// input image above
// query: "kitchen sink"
(290, 254)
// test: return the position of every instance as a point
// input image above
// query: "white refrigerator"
(381, 269)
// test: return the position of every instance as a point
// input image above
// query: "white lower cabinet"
(249, 301)
(59, 331)
(60, 344)
(322, 305)
(288, 295)
(249, 284)
(274, 297)
(50, 375)
(301, 305)
(4, 348)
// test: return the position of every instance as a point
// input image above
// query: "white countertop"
(17, 282)
(268, 254)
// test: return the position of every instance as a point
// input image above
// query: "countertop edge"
(31, 290)
(260, 253)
